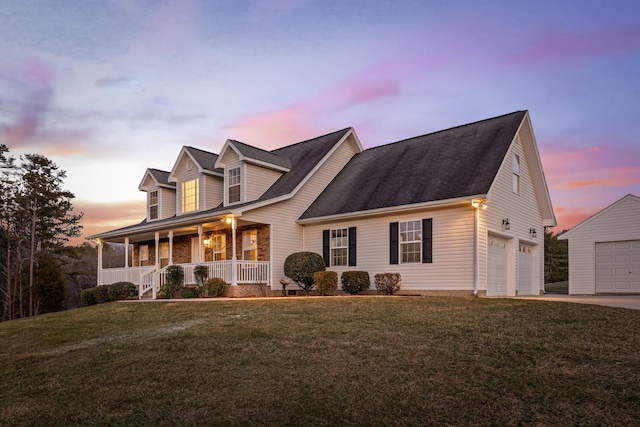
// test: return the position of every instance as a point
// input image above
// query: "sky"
(109, 88)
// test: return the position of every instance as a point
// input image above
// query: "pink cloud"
(273, 129)
(560, 45)
(99, 217)
(568, 217)
(32, 83)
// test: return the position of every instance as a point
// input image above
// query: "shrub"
(87, 297)
(101, 294)
(189, 292)
(387, 283)
(326, 282)
(200, 274)
(216, 287)
(173, 282)
(122, 290)
(300, 266)
(354, 282)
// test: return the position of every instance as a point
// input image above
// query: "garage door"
(496, 266)
(525, 270)
(618, 267)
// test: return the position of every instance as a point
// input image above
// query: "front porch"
(237, 252)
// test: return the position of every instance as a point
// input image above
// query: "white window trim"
(516, 165)
(244, 249)
(241, 179)
(141, 252)
(332, 240)
(157, 205)
(196, 201)
(223, 246)
(403, 243)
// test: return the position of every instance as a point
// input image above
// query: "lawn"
(324, 361)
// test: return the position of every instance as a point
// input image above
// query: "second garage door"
(618, 267)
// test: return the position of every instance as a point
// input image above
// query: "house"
(604, 250)
(461, 210)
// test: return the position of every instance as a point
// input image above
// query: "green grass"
(557, 287)
(324, 361)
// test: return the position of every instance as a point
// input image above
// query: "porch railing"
(148, 278)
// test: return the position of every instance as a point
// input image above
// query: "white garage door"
(496, 266)
(525, 270)
(618, 267)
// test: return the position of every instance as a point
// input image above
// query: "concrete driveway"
(624, 301)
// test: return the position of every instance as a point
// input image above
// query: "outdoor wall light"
(479, 204)
(532, 233)
(505, 224)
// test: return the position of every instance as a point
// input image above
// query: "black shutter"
(393, 243)
(352, 246)
(326, 251)
(427, 240)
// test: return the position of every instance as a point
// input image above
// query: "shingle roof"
(205, 159)
(261, 155)
(453, 163)
(161, 177)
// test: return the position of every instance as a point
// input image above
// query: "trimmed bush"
(216, 287)
(122, 290)
(300, 266)
(354, 282)
(200, 274)
(101, 294)
(173, 283)
(326, 282)
(189, 292)
(387, 283)
(87, 297)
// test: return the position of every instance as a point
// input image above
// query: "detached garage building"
(604, 250)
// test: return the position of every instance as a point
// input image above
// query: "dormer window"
(153, 205)
(234, 183)
(190, 196)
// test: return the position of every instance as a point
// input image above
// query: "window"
(164, 253)
(153, 205)
(516, 173)
(339, 246)
(234, 183)
(219, 247)
(410, 241)
(250, 245)
(144, 254)
(190, 197)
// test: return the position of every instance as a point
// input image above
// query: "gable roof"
(256, 156)
(204, 161)
(161, 178)
(629, 197)
(450, 164)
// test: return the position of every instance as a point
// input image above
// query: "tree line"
(36, 220)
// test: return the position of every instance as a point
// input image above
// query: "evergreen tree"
(49, 291)
(556, 258)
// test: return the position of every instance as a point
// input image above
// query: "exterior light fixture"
(505, 224)
(532, 233)
(479, 204)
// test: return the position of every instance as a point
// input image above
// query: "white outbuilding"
(604, 250)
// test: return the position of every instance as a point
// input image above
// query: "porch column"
(200, 257)
(126, 252)
(170, 247)
(100, 246)
(234, 259)
(157, 249)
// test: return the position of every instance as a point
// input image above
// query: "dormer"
(161, 194)
(199, 185)
(248, 171)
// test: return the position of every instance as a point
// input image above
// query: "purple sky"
(107, 88)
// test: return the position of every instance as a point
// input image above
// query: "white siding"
(258, 180)
(213, 190)
(287, 234)
(523, 212)
(453, 248)
(167, 203)
(619, 222)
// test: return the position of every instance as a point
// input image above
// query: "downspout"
(476, 281)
